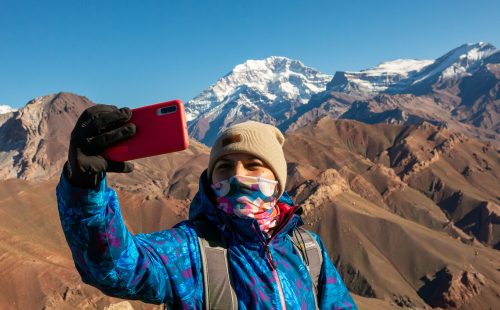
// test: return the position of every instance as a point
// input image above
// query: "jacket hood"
(203, 205)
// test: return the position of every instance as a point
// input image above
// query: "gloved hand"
(97, 128)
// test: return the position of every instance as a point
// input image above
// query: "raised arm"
(155, 268)
(105, 254)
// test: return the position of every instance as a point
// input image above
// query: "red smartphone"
(160, 128)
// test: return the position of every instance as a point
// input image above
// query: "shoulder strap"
(310, 251)
(218, 291)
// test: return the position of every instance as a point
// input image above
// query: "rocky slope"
(396, 206)
(33, 140)
(456, 174)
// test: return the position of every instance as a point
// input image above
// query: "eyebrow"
(223, 161)
(227, 160)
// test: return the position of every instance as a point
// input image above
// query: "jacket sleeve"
(332, 292)
(155, 268)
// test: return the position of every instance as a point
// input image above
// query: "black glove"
(97, 128)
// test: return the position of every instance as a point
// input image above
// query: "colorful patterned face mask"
(249, 197)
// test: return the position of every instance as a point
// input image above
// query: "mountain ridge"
(448, 85)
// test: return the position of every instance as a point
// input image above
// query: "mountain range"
(405, 199)
(459, 89)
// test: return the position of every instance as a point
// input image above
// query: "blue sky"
(133, 53)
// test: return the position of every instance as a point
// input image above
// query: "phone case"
(160, 128)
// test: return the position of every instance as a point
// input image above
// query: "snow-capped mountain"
(459, 90)
(459, 87)
(268, 90)
(386, 75)
(415, 76)
(445, 71)
(6, 109)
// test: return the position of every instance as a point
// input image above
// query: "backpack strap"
(217, 288)
(307, 246)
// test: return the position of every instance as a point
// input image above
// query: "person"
(241, 194)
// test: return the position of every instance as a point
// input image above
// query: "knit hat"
(260, 140)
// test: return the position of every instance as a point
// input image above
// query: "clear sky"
(132, 53)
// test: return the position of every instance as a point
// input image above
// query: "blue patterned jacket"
(165, 267)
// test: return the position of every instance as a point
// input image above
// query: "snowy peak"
(467, 53)
(401, 67)
(6, 109)
(275, 79)
(461, 61)
(378, 79)
(272, 65)
(414, 76)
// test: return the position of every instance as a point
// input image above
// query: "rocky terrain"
(385, 200)
(33, 140)
(409, 213)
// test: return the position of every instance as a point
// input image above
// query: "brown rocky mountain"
(437, 109)
(34, 138)
(410, 214)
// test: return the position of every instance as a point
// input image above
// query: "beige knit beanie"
(260, 140)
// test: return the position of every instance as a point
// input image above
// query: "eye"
(255, 165)
(223, 166)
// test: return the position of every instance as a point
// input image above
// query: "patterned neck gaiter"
(249, 197)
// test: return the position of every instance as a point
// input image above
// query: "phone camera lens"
(168, 110)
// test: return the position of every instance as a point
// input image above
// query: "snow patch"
(398, 67)
(6, 109)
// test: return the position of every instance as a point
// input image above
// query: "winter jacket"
(165, 266)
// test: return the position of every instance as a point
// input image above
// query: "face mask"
(249, 197)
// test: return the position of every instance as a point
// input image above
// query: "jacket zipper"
(273, 265)
(276, 277)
